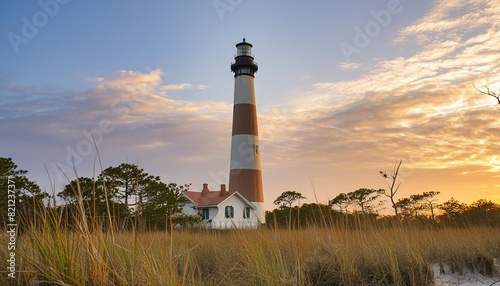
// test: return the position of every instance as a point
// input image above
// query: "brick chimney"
(223, 191)
(205, 190)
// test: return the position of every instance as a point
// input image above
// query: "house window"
(205, 214)
(229, 212)
(246, 212)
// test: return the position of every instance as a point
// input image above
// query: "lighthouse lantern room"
(244, 63)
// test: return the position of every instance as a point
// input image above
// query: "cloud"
(134, 81)
(129, 113)
(134, 98)
(451, 20)
(422, 108)
(349, 65)
(183, 86)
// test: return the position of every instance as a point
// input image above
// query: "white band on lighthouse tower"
(245, 153)
(244, 91)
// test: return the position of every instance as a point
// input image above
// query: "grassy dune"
(50, 255)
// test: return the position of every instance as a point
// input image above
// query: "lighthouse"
(245, 175)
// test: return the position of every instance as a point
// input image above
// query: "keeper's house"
(221, 209)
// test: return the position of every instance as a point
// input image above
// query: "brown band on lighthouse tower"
(245, 119)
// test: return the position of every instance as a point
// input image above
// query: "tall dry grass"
(49, 254)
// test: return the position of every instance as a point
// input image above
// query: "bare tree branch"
(489, 92)
(391, 184)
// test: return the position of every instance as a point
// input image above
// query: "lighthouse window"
(229, 212)
(245, 70)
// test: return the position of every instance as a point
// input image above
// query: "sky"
(345, 89)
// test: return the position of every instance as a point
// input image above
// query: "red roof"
(209, 199)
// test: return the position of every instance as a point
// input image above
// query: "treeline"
(361, 208)
(121, 197)
(126, 196)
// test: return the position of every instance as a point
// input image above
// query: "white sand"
(467, 279)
